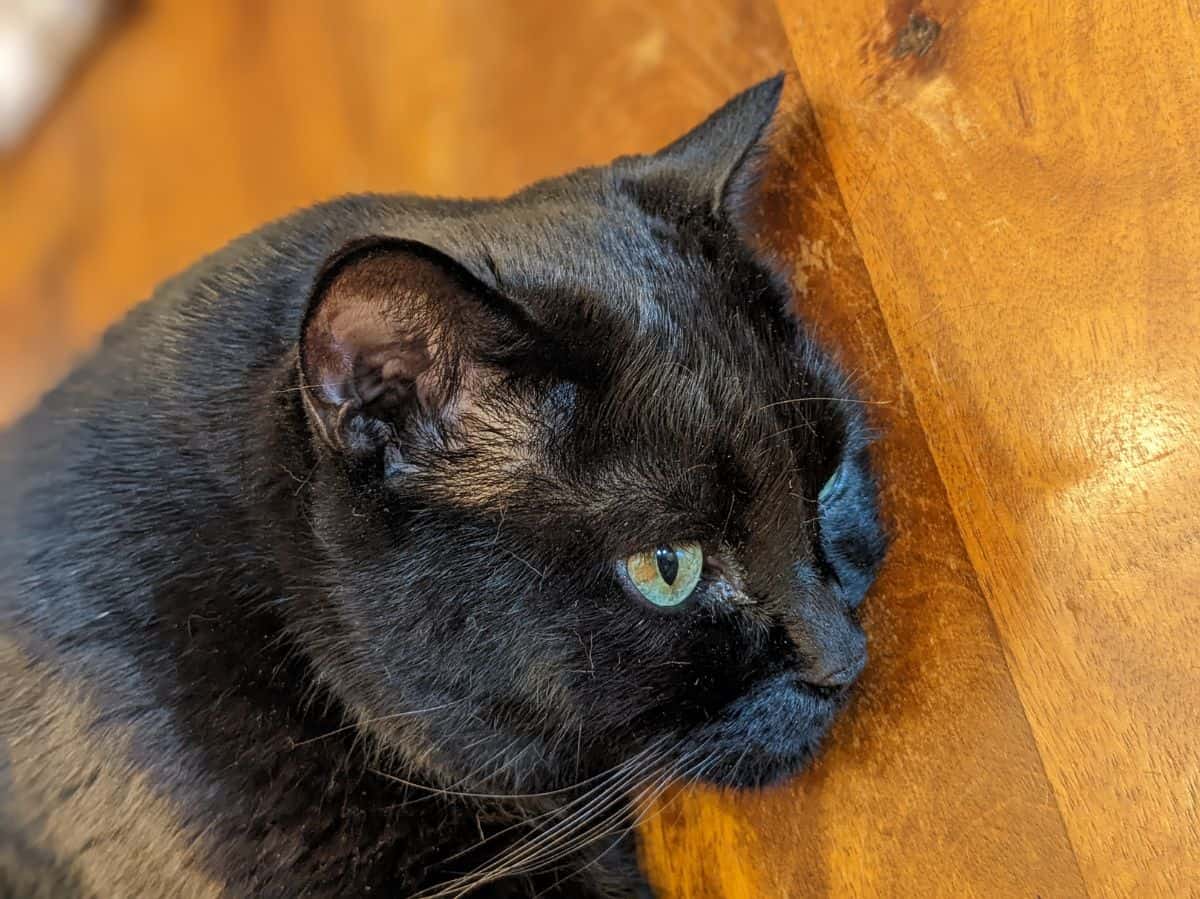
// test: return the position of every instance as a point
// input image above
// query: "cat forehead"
(586, 239)
(620, 263)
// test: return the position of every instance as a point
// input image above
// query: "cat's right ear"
(721, 160)
(396, 330)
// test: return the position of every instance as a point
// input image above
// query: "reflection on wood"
(1025, 199)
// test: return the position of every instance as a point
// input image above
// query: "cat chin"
(749, 769)
(753, 771)
(771, 734)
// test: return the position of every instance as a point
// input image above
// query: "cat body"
(313, 578)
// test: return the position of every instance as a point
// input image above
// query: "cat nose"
(838, 664)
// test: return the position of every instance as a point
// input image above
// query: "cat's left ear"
(397, 331)
(721, 159)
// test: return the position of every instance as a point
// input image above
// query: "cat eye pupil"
(668, 564)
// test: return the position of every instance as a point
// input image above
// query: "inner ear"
(397, 330)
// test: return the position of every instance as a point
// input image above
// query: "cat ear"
(396, 329)
(722, 156)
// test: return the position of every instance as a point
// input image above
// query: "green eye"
(666, 575)
(833, 486)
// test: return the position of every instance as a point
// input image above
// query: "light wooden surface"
(996, 225)
(1027, 201)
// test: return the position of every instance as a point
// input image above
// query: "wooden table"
(992, 209)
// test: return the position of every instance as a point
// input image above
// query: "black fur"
(309, 584)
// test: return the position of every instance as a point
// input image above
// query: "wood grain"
(1025, 196)
(991, 226)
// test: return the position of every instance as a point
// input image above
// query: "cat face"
(585, 490)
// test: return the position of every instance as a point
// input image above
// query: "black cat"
(410, 547)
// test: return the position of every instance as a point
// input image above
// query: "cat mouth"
(771, 734)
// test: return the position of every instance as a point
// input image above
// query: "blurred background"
(988, 209)
(138, 135)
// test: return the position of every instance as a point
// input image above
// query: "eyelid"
(721, 565)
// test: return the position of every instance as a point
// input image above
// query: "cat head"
(585, 490)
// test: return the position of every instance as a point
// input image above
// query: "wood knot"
(917, 37)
